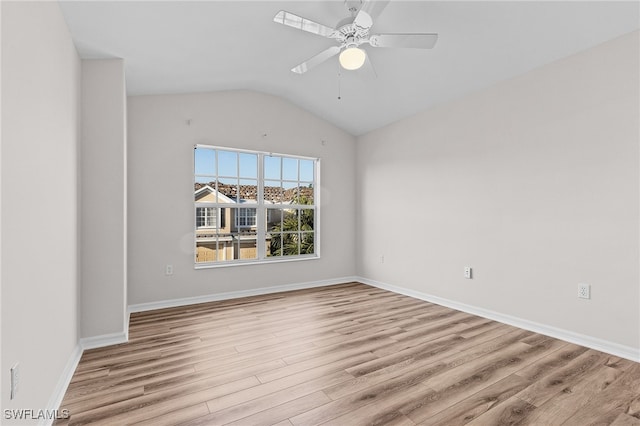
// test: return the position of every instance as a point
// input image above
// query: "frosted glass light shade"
(352, 58)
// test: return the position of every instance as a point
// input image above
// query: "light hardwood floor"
(345, 355)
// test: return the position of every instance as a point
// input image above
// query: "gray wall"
(103, 198)
(161, 195)
(533, 182)
(40, 133)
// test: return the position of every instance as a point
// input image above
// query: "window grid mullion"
(261, 213)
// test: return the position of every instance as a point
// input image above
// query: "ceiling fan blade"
(316, 60)
(289, 19)
(414, 41)
(363, 20)
(374, 7)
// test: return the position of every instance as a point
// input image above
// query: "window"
(206, 217)
(253, 206)
(210, 217)
(246, 218)
(289, 188)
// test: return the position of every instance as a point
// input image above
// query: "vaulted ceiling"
(182, 47)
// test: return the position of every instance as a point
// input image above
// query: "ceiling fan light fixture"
(352, 58)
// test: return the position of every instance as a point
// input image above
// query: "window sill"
(213, 265)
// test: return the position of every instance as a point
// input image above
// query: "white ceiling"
(182, 47)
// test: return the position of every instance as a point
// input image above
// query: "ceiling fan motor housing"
(350, 34)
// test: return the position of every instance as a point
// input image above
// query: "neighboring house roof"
(207, 188)
(272, 194)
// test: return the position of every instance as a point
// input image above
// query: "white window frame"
(242, 213)
(261, 208)
(206, 217)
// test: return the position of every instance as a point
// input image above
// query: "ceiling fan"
(352, 32)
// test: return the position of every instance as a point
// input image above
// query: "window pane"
(205, 192)
(272, 191)
(281, 243)
(306, 170)
(290, 221)
(223, 220)
(246, 245)
(227, 190)
(206, 217)
(206, 251)
(290, 244)
(205, 161)
(289, 169)
(299, 195)
(307, 243)
(244, 217)
(248, 165)
(307, 220)
(272, 167)
(306, 195)
(291, 196)
(248, 190)
(199, 220)
(275, 245)
(274, 220)
(213, 245)
(227, 163)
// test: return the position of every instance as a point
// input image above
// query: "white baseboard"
(105, 339)
(627, 352)
(141, 307)
(63, 383)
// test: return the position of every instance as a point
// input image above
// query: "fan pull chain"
(339, 85)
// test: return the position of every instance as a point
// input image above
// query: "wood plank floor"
(345, 355)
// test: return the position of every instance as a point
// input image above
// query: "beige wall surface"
(533, 182)
(103, 198)
(162, 133)
(40, 134)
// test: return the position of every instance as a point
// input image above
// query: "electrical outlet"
(584, 291)
(168, 270)
(382, 259)
(15, 379)
(467, 272)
